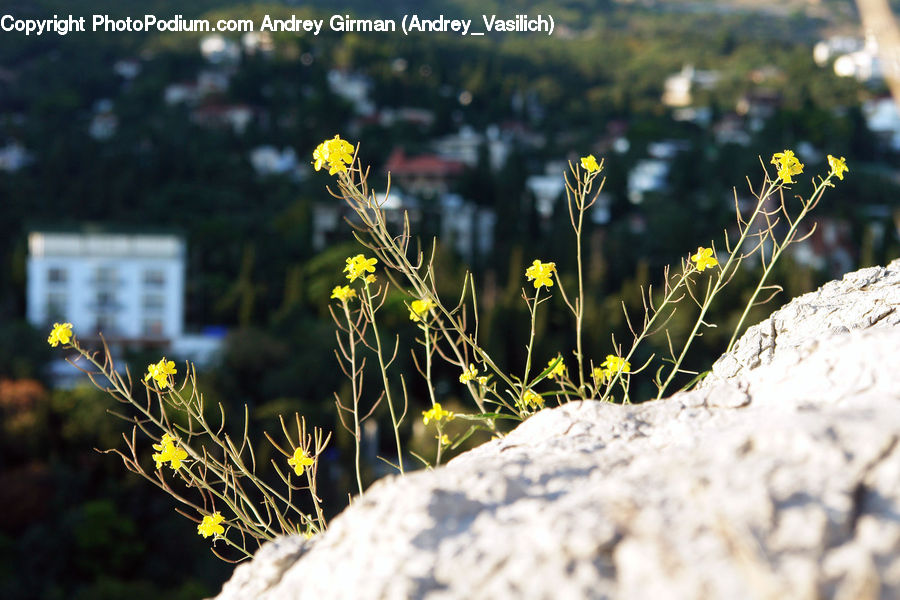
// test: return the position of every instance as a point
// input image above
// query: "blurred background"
(157, 187)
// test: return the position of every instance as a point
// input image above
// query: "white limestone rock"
(778, 478)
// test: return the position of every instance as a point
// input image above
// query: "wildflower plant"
(214, 478)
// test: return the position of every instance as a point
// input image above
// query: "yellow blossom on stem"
(559, 370)
(343, 293)
(444, 439)
(531, 399)
(335, 153)
(541, 273)
(469, 374)
(483, 380)
(788, 165)
(169, 452)
(357, 266)
(420, 308)
(589, 163)
(838, 166)
(704, 258)
(211, 525)
(599, 374)
(437, 414)
(160, 372)
(615, 364)
(300, 460)
(60, 334)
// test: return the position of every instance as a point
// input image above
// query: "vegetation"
(253, 266)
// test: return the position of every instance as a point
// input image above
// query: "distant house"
(826, 50)
(13, 157)
(883, 118)
(129, 287)
(181, 93)
(547, 190)
(730, 129)
(677, 88)
(127, 68)
(258, 41)
(853, 57)
(235, 116)
(469, 228)
(353, 87)
(648, 175)
(268, 160)
(466, 145)
(426, 175)
(218, 49)
(104, 122)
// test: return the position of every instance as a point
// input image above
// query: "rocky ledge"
(778, 478)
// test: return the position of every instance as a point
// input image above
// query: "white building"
(129, 287)
(648, 175)
(883, 118)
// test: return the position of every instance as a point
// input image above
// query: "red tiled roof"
(424, 164)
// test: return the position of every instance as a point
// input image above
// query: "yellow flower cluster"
(471, 374)
(437, 414)
(609, 367)
(589, 164)
(61, 334)
(300, 460)
(335, 153)
(357, 266)
(532, 400)
(420, 308)
(160, 372)
(211, 525)
(704, 258)
(168, 452)
(838, 166)
(541, 273)
(343, 293)
(788, 165)
(559, 370)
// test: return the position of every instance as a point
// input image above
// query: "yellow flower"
(532, 399)
(589, 163)
(169, 452)
(483, 380)
(615, 364)
(211, 525)
(335, 153)
(358, 265)
(436, 413)
(300, 460)
(61, 334)
(160, 372)
(469, 375)
(541, 273)
(558, 370)
(370, 278)
(704, 258)
(788, 165)
(343, 293)
(420, 308)
(838, 166)
(444, 439)
(599, 374)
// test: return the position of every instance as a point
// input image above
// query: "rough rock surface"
(778, 478)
